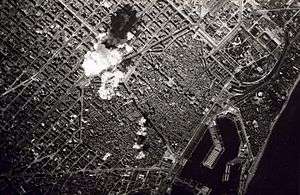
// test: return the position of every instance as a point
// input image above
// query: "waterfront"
(277, 171)
(212, 178)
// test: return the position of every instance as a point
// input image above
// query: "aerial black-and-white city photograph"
(149, 97)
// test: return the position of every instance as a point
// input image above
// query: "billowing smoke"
(110, 50)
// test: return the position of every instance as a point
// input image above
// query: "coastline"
(254, 167)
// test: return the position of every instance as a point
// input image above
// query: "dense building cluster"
(188, 62)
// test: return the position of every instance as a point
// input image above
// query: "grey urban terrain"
(117, 96)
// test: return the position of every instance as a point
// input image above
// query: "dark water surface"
(278, 172)
(213, 178)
